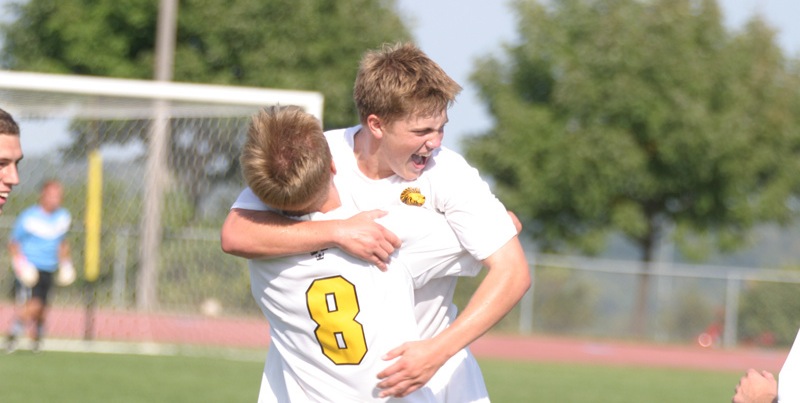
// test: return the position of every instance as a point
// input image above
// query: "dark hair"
(7, 124)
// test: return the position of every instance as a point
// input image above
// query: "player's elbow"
(525, 281)
(228, 245)
(515, 220)
(231, 241)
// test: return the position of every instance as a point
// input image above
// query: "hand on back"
(362, 237)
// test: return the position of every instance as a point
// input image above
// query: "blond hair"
(400, 80)
(285, 160)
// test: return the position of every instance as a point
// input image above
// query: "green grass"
(106, 378)
(87, 378)
(543, 382)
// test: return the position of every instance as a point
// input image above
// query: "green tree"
(303, 45)
(631, 116)
(293, 44)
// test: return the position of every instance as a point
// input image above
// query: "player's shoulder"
(341, 135)
(30, 211)
(446, 160)
(63, 213)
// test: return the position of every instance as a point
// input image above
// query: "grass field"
(104, 378)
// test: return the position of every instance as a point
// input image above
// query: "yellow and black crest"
(412, 197)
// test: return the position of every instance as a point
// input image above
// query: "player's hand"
(362, 237)
(756, 387)
(419, 361)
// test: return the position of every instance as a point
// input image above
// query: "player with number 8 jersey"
(332, 317)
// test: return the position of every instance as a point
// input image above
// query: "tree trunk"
(639, 320)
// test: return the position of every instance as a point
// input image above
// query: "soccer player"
(331, 316)
(38, 242)
(10, 156)
(395, 156)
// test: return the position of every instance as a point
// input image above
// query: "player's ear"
(333, 167)
(375, 125)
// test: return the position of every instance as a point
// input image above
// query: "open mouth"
(420, 160)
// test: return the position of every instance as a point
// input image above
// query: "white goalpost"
(20, 89)
(169, 173)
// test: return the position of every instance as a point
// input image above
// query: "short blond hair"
(285, 160)
(400, 80)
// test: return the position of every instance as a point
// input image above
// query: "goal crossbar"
(149, 90)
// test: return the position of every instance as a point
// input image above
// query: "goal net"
(170, 172)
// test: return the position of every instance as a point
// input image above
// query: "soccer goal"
(169, 171)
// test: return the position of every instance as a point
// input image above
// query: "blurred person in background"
(762, 387)
(38, 248)
(10, 155)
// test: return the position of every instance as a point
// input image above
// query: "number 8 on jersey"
(333, 305)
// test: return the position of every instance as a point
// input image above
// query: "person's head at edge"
(402, 97)
(286, 161)
(10, 156)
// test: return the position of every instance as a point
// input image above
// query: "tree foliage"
(303, 44)
(630, 116)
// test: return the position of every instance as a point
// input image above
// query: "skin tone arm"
(756, 387)
(262, 234)
(507, 280)
(13, 249)
(63, 252)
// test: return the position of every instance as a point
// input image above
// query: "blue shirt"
(39, 235)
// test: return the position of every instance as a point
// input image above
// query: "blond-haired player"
(332, 317)
(402, 97)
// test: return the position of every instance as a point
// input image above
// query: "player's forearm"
(263, 234)
(63, 252)
(507, 280)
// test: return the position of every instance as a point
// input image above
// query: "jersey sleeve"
(477, 216)
(248, 200)
(18, 230)
(430, 248)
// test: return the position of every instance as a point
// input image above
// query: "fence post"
(120, 262)
(729, 336)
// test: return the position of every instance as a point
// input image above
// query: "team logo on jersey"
(319, 254)
(412, 197)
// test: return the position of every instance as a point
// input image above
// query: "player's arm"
(263, 234)
(13, 248)
(64, 254)
(507, 280)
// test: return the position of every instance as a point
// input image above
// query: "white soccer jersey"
(789, 377)
(333, 316)
(450, 186)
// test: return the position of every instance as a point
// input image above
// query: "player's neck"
(332, 202)
(366, 149)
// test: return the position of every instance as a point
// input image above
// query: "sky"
(455, 33)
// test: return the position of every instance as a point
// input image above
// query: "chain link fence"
(170, 172)
(710, 306)
(184, 272)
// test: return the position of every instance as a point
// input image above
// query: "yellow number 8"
(333, 305)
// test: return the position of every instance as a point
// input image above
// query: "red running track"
(125, 326)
